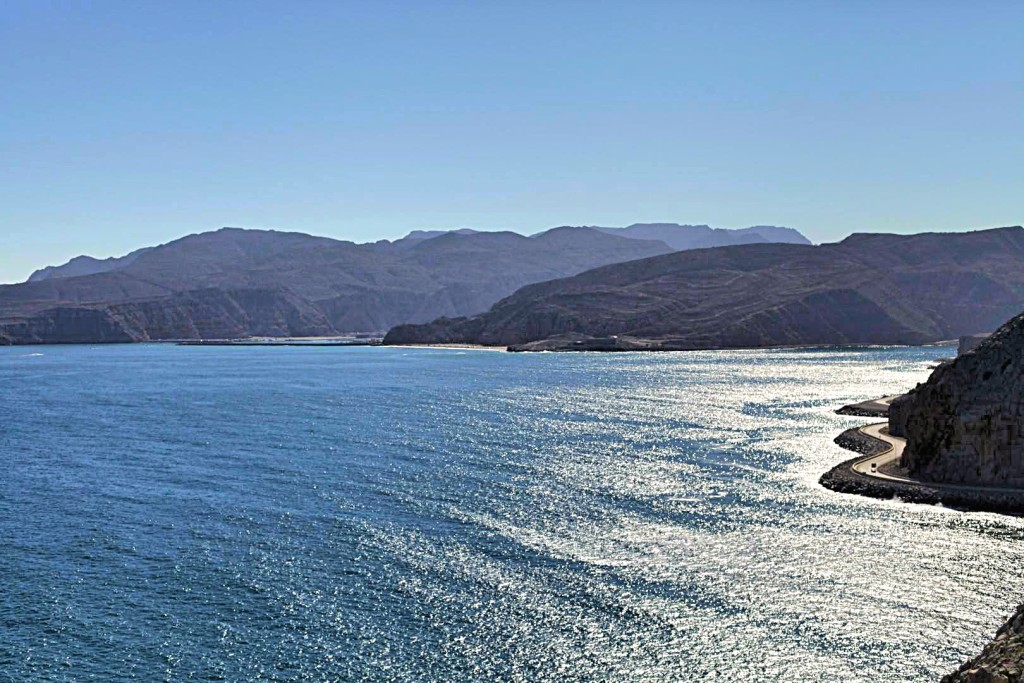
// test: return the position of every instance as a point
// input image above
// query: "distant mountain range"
(702, 236)
(869, 288)
(238, 283)
(673, 235)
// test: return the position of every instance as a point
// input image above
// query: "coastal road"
(870, 466)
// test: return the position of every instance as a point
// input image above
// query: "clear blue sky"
(124, 124)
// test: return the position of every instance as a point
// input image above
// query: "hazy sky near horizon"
(126, 124)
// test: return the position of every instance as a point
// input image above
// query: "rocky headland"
(962, 431)
(964, 425)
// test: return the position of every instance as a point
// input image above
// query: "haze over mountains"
(869, 288)
(236, 283)
(673, 235)
(702, 236)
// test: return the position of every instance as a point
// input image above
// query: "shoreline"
(450, 347)
(342, 340)
(844, 478)
(283, 342)
(873, 474)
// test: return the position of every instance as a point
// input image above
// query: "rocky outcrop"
(867, 289)
(969, 342)
(1002, 660)
(964, 425)
(899, 412)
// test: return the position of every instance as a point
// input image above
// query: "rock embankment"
(878, 407)
(1002, 660)
(844, 479)
(855, 440)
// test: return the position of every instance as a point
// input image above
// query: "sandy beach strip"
(450, 347)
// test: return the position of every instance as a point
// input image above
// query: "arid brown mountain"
(869, 288)
(236, 283)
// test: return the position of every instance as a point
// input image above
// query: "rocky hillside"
(869, 288)
(236, 283)
(964, 425)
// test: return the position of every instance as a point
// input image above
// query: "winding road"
(871, 466)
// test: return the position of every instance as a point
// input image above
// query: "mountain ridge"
(681, 237)
(878, 289)
(234, 282)
(88, 265)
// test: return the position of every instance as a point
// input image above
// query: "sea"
(174, 513)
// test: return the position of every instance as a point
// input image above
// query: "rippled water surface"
(318, 514)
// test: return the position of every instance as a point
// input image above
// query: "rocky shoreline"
(876, 408)
(843, 479)
(1002, 660)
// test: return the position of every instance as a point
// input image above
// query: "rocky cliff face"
(964, 425)
(881, 289)
(66, 325)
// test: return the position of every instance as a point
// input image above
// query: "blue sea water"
(391, 514)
